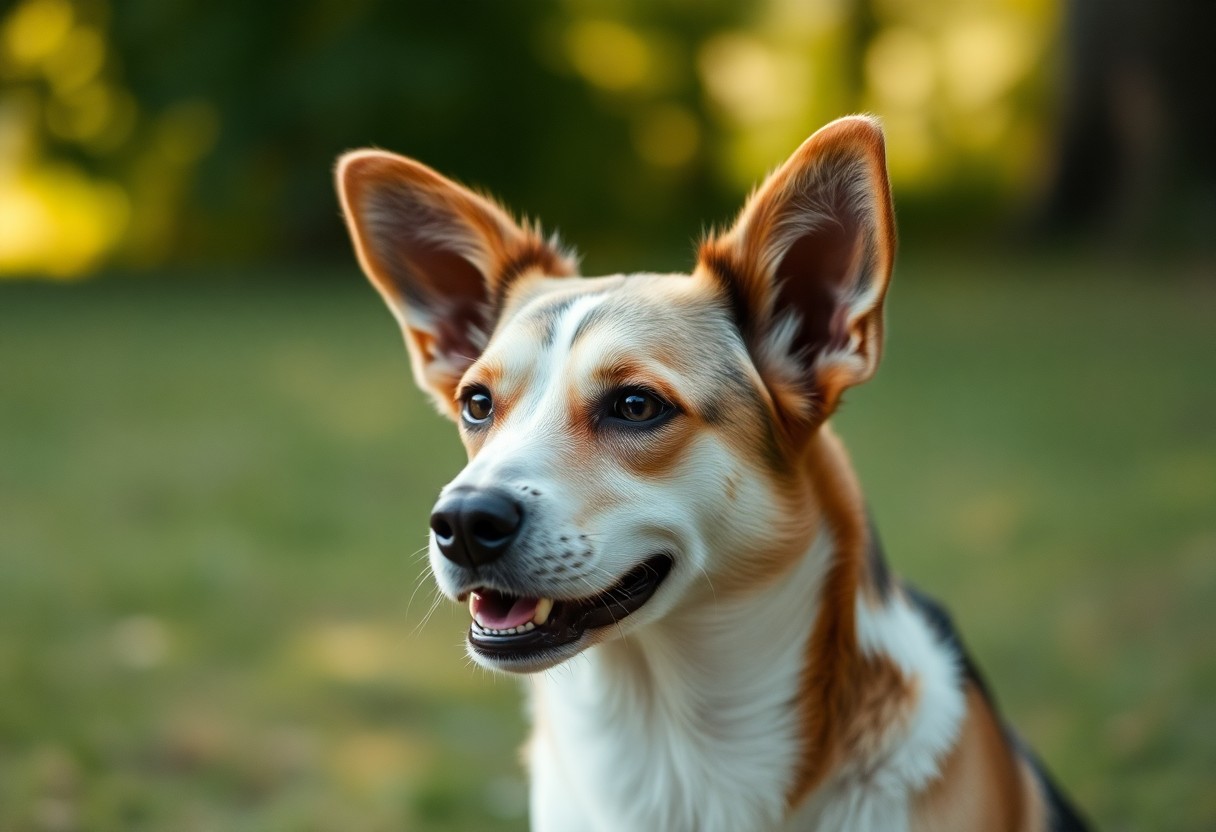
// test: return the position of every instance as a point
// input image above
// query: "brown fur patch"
(884, 700)
(651, 453)
(982, 784)
(656, 454)
(834, 672)
(849, 702)
(489, 374)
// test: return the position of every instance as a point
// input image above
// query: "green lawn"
(212, 493)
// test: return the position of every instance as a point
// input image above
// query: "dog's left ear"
(806, 266)
(441, 256)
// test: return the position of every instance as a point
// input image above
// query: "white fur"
(876, 793)
(687, 724)
(898, 631)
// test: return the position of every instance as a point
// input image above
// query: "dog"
(658, 524)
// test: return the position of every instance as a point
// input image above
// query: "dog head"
(635, 442)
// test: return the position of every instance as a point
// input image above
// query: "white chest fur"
(691, 724)
(686, 726)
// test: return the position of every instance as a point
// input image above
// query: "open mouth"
(514, 626)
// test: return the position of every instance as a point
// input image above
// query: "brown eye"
(636, 406)
(478, 407)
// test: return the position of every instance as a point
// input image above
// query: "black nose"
(475, 526)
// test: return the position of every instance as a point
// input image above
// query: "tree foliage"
(170, 131)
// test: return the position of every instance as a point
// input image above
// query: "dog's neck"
(697, 704)
(738, 700)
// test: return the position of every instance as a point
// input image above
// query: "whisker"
(709, 581)
(434, 606)
(616, 623)
(426, 573)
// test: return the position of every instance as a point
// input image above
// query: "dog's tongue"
(495, 611)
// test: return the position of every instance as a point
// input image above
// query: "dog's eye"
(638, 406)
(477, 407)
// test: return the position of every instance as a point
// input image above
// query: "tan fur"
(981, 785)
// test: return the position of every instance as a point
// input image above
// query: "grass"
(212, 493)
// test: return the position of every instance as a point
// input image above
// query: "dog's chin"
(521, 634)
(535, 661)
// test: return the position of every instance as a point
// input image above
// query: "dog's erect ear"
(806, 265)
(442, 257)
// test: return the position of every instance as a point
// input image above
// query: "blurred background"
(215, 472)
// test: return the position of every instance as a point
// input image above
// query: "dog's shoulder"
(1063, 816)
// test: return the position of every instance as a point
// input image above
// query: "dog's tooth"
(543, 607)
(472, 605)
(528, 626)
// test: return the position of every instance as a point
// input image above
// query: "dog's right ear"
(442, 257)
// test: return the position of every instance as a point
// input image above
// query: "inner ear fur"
(442, 257)
(805, 267)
